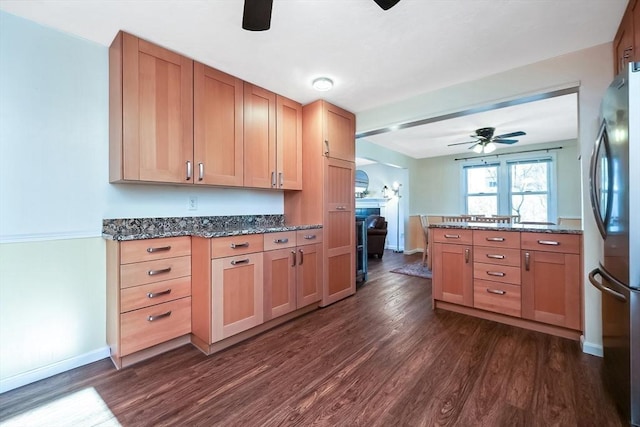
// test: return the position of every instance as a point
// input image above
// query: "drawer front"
(236, 245)
(280, 240)
(151, 249)
(550, 242)
(496, 273)
(153, 325)
(452, 235)
(497, 297)
(142, 273)
(154, 293)
(497, 239)
(497, 256)
(308, 237)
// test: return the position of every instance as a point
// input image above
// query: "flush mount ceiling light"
(322, 84)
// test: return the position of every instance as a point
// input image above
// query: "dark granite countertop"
(208, 227)
(561, 229)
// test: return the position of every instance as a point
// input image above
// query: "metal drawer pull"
(158, 294)
(492, 256)
(162, 249)
(496, 273)
(495, 239)
(189, 172)
(239, 245)
(155, 272)
(451, 236)
(527, 260)
(467, 252)
(301, 256)
(496, 291)
(293, 259)
(341, 208)
(309, 236)
(285, 240)
(158, 316)
(240, 261)
(200, 171)
(549, 242)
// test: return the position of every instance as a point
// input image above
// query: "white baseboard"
(591, 348)
(38, 374)
(412, 251)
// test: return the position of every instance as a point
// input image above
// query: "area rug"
(414, 269)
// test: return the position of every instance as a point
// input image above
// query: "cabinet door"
(218, 127)
(551, 291)
(339, 231)
(236, 294)
(623, 42)
(634, 5)
(279, 282)
(309, 274)
(157, 117)
(453, 273)
(259, 137)
(289, 144)
(339, 133)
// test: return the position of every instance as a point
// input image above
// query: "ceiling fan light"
(490, 147)
(478, 148)
(322, 84)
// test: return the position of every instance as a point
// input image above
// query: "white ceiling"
(375, 57)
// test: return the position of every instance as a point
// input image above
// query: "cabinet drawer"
(551, 242)
(142, 273)
(497, 256)
(496, 273)
(154, 293)
(452, 235)
(153, 325)
(280, 240)
(236, 245)
(308, 237)
(497, 239)
(150, 249)
(497, 297)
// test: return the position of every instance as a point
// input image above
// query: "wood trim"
(113, 299)
(147, 353)
(115, 110)
(508, 320)
(130, 105)
(201, 288)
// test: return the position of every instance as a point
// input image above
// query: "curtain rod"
(507, 154)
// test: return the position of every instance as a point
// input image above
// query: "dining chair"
(513, 219)
(424, 222)
(536, 223)
(457, 218)
(493, 219)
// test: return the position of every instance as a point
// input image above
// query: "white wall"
(54, 194)
(591, 70)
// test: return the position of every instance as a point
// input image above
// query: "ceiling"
(375, 57)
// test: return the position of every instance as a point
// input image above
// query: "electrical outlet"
(192, 205)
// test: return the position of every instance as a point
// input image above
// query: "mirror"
(362, 183)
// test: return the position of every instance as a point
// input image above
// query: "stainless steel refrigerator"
(615, 199)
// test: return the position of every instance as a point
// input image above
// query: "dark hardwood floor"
(380, 358)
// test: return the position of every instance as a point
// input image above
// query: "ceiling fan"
(486, 142)
(257, 13)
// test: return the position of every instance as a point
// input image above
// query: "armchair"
(376, 234)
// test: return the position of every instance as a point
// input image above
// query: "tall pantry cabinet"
(327, 197)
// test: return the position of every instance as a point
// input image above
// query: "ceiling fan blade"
(505, 141)
(386, 4)
(509, 135)
(462, 143)
(257, 15)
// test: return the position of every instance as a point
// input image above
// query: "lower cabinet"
(453, 267)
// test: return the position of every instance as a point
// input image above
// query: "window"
(515, 186)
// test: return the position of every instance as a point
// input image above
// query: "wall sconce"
(385, 193)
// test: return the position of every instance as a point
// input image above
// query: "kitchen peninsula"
(519, 274)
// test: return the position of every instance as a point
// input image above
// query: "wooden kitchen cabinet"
(453, 267)
(218, 127)
(259, 137)
(551, 284)
(150, 112)
(288, 144)
(626, 44)
(310, 262)
(339, 130)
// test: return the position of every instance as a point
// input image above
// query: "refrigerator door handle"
(598, 272)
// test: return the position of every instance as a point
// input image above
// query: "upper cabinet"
(626, 44)
(151, 112)
(339, 129)
(218, 127)
(177, 121)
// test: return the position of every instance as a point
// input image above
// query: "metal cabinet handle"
(240, 261)
(156, 272)
(309, 236)
(200, 171)
(189, 171)
(281, 240)
(341, 208)
(301, 256)
(549, 242)
(493, 256)
(527, 259)
(281, 178)
(158, 294)
(273, 179)
(239, 245)
(158, 316)
(496, 291)
(496, 273)
(293, 258)
(451, 236)
(326, 149)
(495, 239)
(467, 252)
(161, 249)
